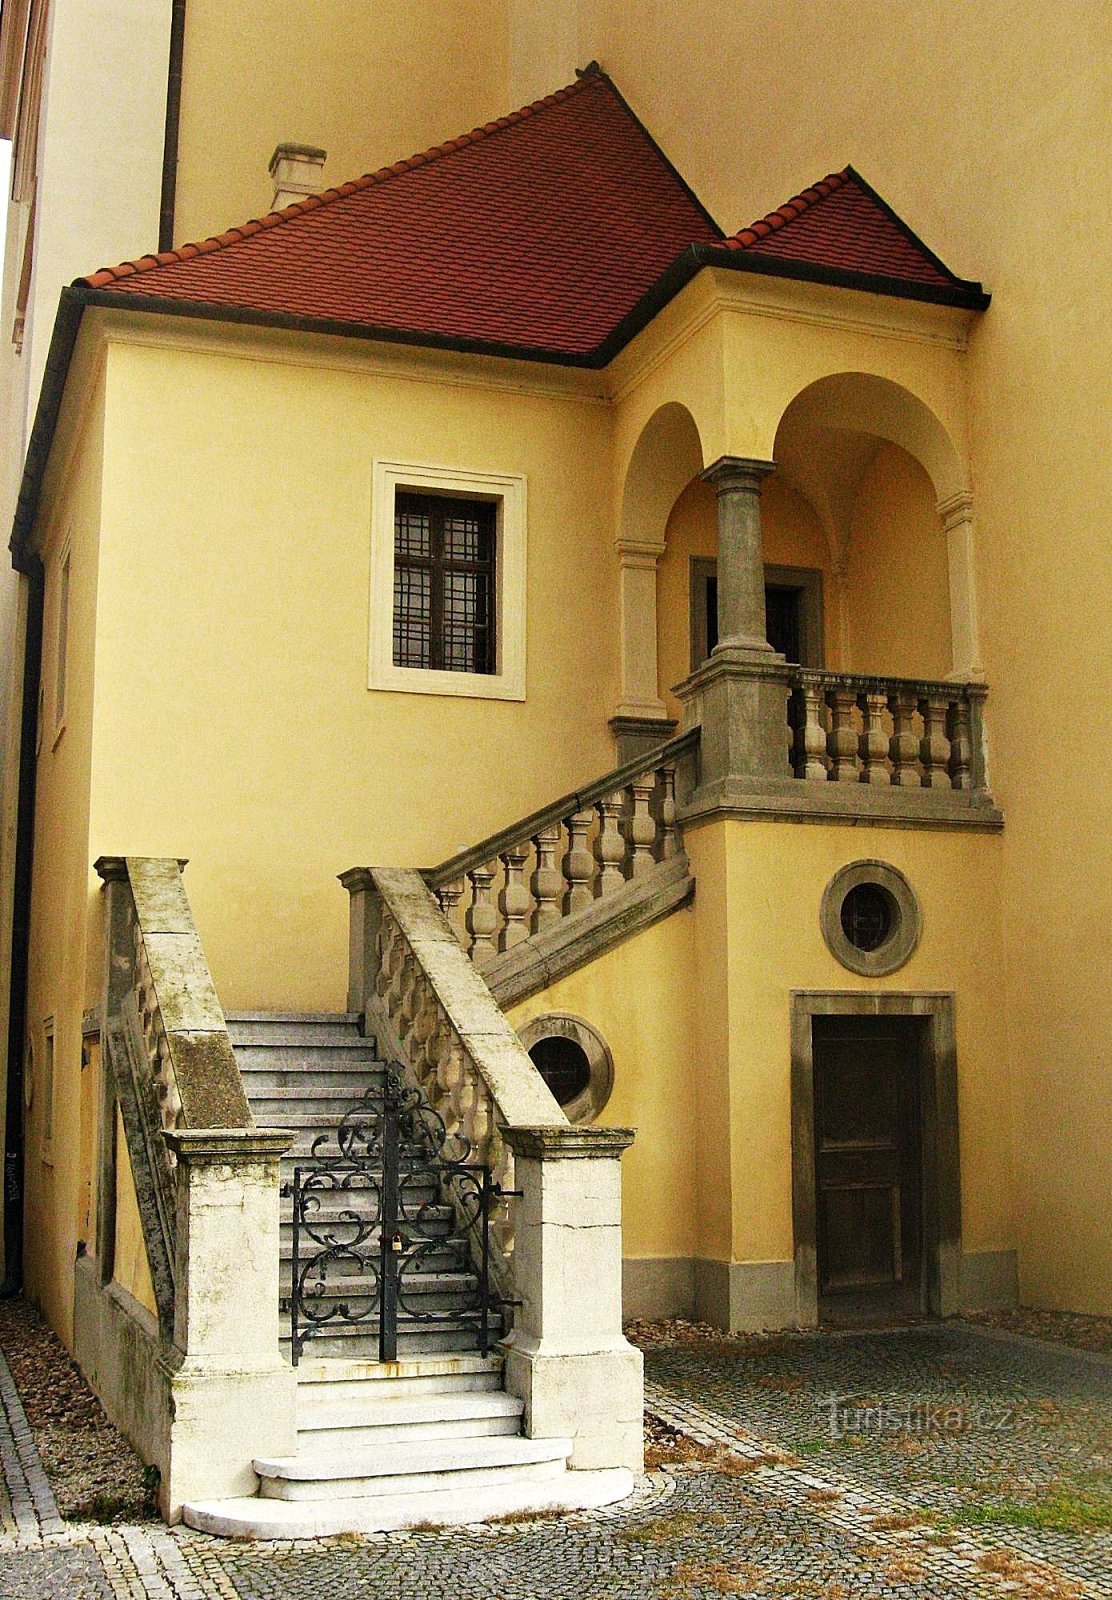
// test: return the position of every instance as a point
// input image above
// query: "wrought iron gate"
(369, 1224)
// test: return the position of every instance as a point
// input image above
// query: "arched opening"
(667, 456)
(885, 484)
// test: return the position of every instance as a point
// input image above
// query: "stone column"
(233, 1395)
(965, 642)
(641, 719)
(739, 697)
(567, 1357)
(741, 597)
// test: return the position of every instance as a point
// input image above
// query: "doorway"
(793, 612)
(868, 1167)
(876, 1183)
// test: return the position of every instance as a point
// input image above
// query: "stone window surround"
(563, 1025)
(807, 579)
(902, 941)
(508, 492)
(941, 1169)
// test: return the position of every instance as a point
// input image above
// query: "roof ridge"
(587, 77)
(773, 221)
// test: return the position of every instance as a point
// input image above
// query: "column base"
(636, 735)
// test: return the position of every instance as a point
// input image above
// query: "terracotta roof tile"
(549, 232)
(840, 223)
(540, 230)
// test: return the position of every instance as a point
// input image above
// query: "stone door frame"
(940, 1156)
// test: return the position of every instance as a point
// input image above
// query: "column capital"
(737, 473)
(956, 509)
(572, 1142)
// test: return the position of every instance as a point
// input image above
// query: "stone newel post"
(567, 1357)
(234, 1396)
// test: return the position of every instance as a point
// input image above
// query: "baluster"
(513, 901)
(669, 833)
(482, 1118)
(465, 1092)
(579, 864)
(842, 740)
(610, 847)
(811, 760)
(482, 917)
(449, 896)
(903, 746)
(447, 1053)
(874, 740)
(961, 745)
(409, 991)
(934, 747)
(640, 826)
(502, 1171)
(547, 880)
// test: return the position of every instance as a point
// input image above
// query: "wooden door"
(868, 1165)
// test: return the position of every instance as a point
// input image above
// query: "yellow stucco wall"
(757, 938)
(56, 1198)
(130, 1268)
(965, 119)
(234, 725)
(370, 84)
(639, 996)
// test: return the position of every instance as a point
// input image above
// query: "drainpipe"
(173, 119)
(21, 931)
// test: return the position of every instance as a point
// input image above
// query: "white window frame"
(49, 1068)
(507, 492)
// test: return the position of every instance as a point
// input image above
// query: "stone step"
(327, 1095)
(437, 1219)
(332, 1380)
(342, 1055)
(349, 1075)
(373, 1418)
(293, 1027)
(349, 1471)
(428, 1291)
(258, 1518)
(359, 1340)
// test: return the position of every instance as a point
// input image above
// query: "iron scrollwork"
(396, 1205)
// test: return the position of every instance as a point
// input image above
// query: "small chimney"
(296, 171)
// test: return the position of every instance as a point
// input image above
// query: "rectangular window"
(63, 644)
(444, 616)
(447, 602)
(48, 1086)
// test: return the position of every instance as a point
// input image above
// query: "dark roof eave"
(71, 305)
(965, 295)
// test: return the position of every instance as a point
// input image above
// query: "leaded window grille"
(444, 574)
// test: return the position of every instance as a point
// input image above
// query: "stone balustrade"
(431, 1010)
(582, 849)
(897, 733)
(215, 1389)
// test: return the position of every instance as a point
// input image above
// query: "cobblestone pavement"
(912, 1465)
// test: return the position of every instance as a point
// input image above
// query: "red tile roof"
(554, 233)
(841, 224)
(541, 230)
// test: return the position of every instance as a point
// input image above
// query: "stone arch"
(667, 455)
(852, 414)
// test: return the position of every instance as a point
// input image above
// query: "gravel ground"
(1063, 1327)
(95, 1474)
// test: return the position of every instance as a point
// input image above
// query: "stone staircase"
(430, 1438)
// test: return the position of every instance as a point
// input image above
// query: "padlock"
(396, 1244)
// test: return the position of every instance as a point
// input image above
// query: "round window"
(870, 918)
(563, 1065)
(575, 1062)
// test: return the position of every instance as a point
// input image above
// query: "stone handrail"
(429, 1009)
(902, 733)
(581, 849)
(166, 1044)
